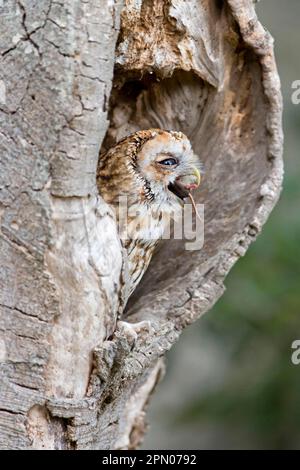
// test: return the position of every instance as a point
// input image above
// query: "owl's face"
(168, 167)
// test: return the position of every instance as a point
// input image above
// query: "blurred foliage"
(256, 403)
(257, 320)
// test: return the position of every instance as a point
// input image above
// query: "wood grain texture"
(203, 67)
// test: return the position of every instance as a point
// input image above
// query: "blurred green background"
(230, 383)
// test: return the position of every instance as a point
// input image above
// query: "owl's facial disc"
(169, 166)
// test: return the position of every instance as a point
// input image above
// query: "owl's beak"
(186, 183)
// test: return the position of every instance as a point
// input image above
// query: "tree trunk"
(72, 73)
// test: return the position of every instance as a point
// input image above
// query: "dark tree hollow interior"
(226, 124)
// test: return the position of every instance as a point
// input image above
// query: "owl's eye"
(168, 162)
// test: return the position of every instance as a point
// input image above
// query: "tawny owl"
(151, 171)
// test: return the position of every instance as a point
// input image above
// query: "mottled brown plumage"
(145, 177)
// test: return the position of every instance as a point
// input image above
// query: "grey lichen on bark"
(78, 75)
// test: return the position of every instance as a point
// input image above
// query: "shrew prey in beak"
(183, 186)
(179, 190)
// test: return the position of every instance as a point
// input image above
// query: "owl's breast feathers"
(139, 254)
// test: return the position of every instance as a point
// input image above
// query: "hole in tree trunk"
(227, 128)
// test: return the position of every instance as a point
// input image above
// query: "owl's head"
(165, 166)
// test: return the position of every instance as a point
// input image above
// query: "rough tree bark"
(73, 72)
